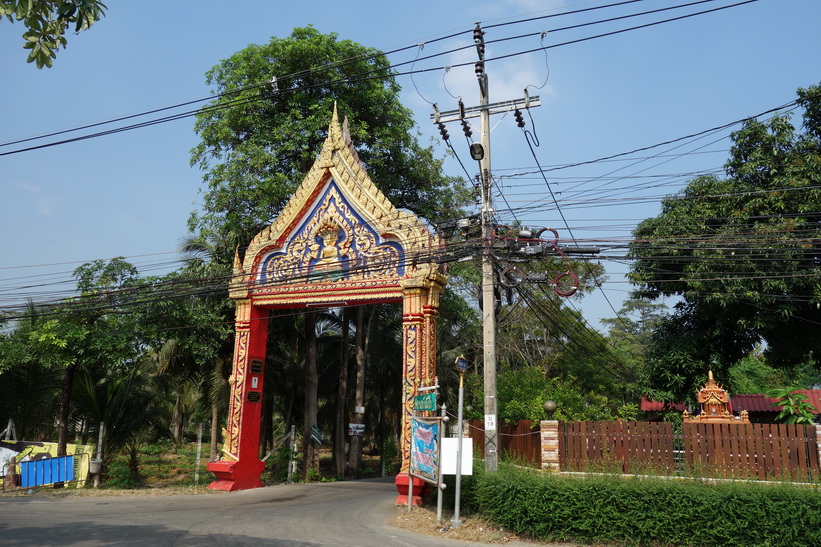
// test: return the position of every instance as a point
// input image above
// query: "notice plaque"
(425, 402)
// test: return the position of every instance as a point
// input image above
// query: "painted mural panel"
(333, 242)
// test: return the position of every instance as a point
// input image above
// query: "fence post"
(818, 443)
(549, 434)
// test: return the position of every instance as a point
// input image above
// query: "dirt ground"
(422, 520)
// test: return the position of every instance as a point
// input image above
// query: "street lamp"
(477, 151)
(550, 408)
(461, 368)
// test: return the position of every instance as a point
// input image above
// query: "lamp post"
(550, 408)
(461, 368)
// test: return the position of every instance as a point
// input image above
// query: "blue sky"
(130, 194)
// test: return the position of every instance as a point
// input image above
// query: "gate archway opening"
(337, 242)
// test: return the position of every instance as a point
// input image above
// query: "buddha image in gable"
(326, 259)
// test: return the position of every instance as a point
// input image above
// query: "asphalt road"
(338, 513)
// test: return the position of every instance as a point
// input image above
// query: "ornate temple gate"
(337, 242)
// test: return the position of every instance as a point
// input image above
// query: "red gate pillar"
(420, 305)
(240, 467)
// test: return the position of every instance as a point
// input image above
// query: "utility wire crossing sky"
(636, 99)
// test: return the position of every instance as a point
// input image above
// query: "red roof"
(752, 402)
(656, 406)
(758, 402)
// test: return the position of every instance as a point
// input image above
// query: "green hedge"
(650, 511)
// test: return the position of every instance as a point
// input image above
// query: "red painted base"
(233, 476)
(402, 487)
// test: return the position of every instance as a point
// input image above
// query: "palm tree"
(126, 401)
(28, 386)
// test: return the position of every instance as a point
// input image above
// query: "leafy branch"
(46, 22)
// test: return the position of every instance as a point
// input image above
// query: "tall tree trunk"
(341, 397)
(65, 404)
(310, 449)
(361, 337)
(289, 415)
(215, 426)
(380, 426)
(266, 426)
(176, 420)
(62, 419)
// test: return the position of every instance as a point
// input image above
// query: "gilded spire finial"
(237, 287)
(334, 131)
(237, 263)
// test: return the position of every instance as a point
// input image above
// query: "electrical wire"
(361, 77)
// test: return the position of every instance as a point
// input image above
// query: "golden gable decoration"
(337, 235)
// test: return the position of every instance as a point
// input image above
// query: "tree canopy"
(742, 251)
(270, 114)
(46, 22)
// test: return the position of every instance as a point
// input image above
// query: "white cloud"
(507, 79)
(519, 8)
(45, 204)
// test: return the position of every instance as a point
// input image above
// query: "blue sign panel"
(424, 462)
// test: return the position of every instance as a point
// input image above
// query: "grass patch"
(160, 466)
(167, 465)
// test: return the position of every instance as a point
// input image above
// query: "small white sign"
(490, 422)
(359, 410)
(254, 382)
(448, 460)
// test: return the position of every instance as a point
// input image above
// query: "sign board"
(449, 450)
(316, 435)
(356, 429)
(425, 402)
(490, 421)
(424, 460)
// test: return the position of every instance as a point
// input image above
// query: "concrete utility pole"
(482, 155)
(488, 277)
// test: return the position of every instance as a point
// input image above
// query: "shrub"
(119, 476)
(468, 504)
(650, 511)
(391, 457)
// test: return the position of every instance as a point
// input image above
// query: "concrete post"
(549, 433)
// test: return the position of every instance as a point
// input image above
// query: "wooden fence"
(755, 451)
(762, 451)
(519, 442)
(628, 447)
